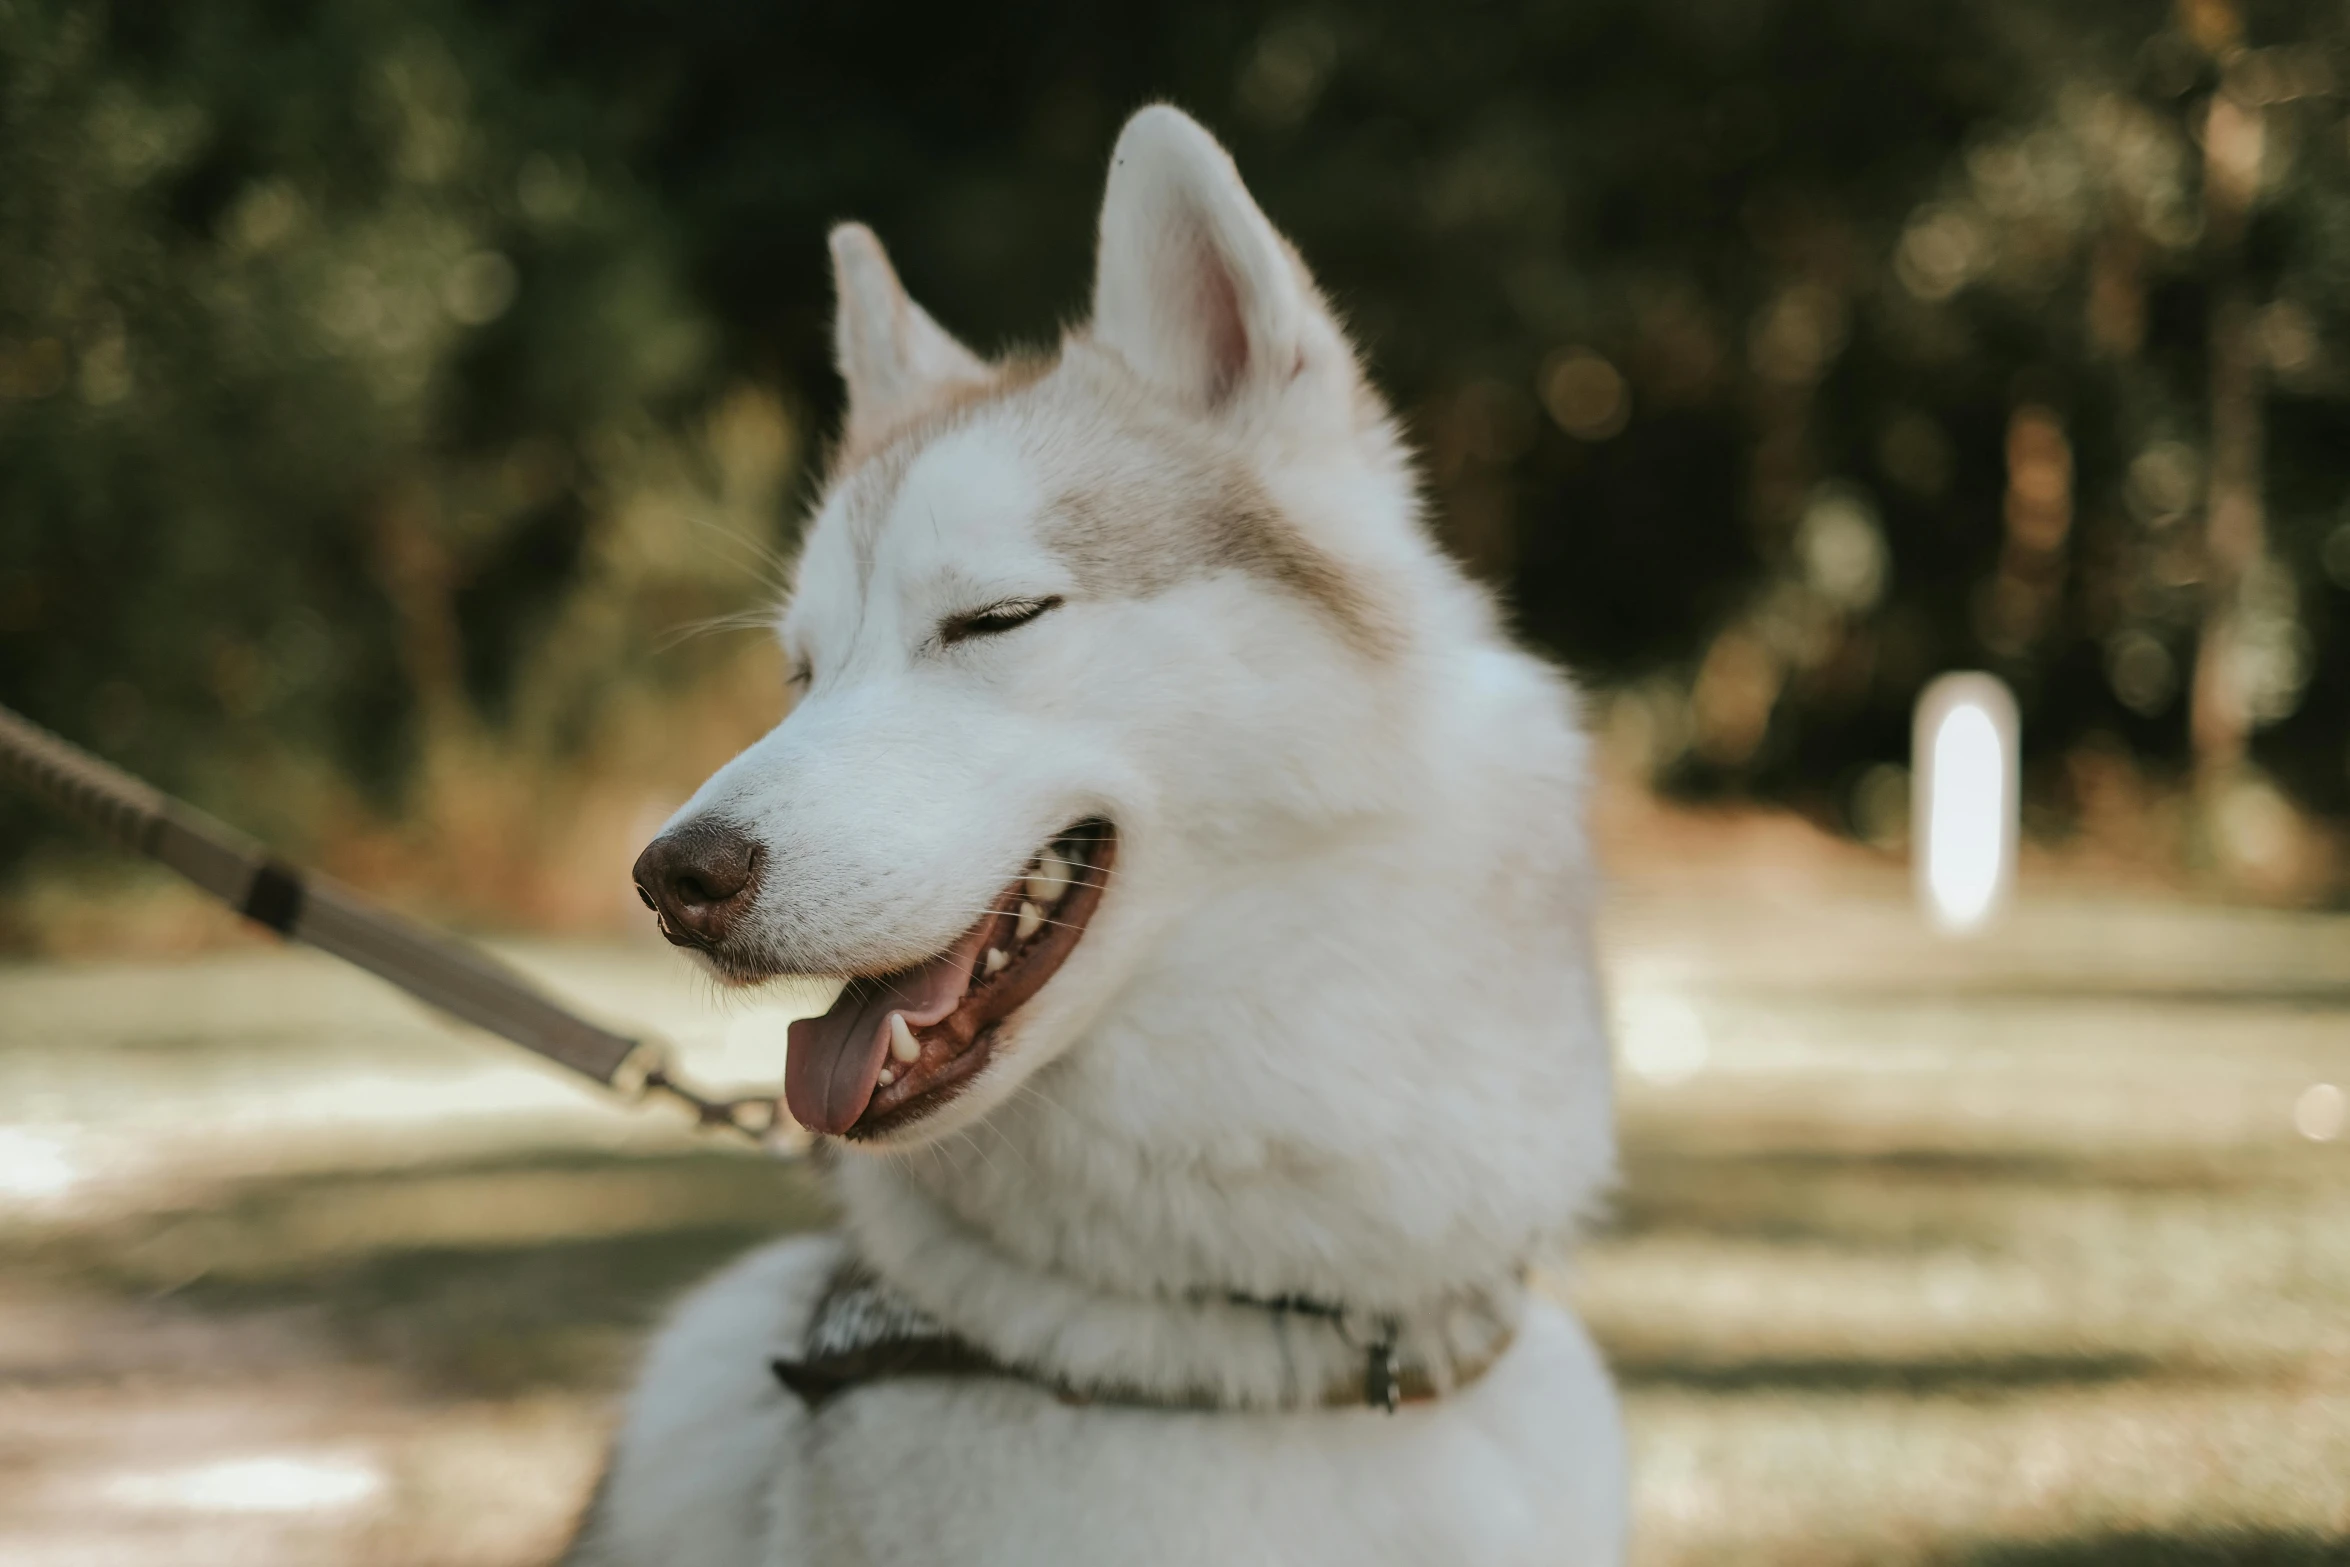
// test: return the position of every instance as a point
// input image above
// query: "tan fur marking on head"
(867, 474)
(1121, 548)
(954, 403)
(1251, 534)
(1151, 507)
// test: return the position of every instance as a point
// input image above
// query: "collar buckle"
(1382, 1376)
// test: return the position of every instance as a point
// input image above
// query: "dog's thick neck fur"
(1335, 1032)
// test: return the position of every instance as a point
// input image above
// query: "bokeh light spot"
(1967, 805)
(1663, 1039)
(1586, 395)
(2319, 1112)
(269, 1484)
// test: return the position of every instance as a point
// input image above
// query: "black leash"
(450, 974)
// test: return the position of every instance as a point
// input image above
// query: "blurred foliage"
(1770, 356)
(322, 336)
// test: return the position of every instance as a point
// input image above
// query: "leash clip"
(650, 1069)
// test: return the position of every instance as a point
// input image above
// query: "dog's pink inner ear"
(1224, 327)
(1193, 290)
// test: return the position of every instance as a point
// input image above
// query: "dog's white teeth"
(887, 1077)
(996, 960)
(903, 1046)
(1052, 877)
(1031, 921)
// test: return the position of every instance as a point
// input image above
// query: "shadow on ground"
(1879, 1199)
(2239, 1548)
(1920, 1377)
(477, 1279)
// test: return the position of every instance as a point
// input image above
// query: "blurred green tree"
(310, 318)
(1771, 356)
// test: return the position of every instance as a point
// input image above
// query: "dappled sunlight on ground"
(2005, 1253)
(289, 1272)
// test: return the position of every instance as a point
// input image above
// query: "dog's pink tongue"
(834, 1060)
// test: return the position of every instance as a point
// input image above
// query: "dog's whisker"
(741, 620)
(1031, 1088)
(769, 562)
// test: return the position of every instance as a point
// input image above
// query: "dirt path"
(2004, 1253)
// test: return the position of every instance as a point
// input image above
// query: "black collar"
(864, 1330)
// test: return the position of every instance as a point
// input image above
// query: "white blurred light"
(2319, 1113)
(252, 1485)
(1964, 832)
(1964, 799)
(35, 1165)
(1663, 1039)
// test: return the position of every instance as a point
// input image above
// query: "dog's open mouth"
(896, 1046)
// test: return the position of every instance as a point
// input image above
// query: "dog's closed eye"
(993, 619)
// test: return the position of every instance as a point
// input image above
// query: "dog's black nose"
(699, 878)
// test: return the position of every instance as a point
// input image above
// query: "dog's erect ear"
(893, 356)
(1193, 288)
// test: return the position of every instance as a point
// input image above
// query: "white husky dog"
(1221, 1043)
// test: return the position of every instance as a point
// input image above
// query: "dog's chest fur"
(724, 1466)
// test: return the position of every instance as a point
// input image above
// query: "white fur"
(1334, 1031)
(1524, 1468)
(1195, 290)
(891, 353)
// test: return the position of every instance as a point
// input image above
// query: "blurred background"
(406, 410)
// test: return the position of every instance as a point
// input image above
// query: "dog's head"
(1053, 620)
